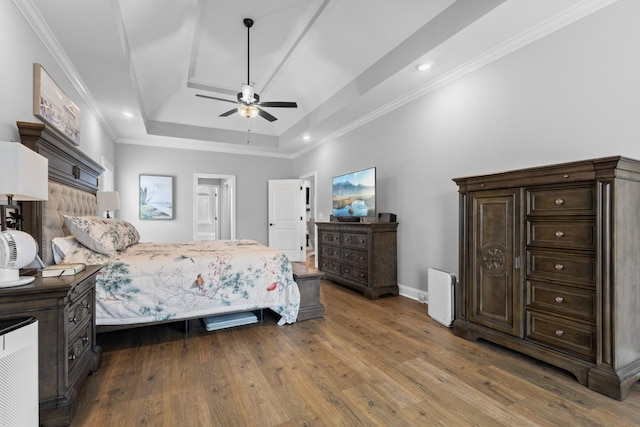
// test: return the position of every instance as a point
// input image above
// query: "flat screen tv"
(354, 194)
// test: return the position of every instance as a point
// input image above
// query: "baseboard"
(413, 293)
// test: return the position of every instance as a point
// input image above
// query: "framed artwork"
(156, 197)
(54, 107)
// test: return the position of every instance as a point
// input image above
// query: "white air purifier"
(441, 291)
(19, 372)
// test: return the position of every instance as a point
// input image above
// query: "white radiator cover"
(441, 290)
(19, 374)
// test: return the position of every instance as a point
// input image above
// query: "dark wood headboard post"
(67, 165)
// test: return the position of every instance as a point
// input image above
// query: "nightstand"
(67, 349)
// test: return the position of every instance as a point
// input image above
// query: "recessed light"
(424, 67)
(306, 137)
(127, 114)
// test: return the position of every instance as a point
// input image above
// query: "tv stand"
(360, 255)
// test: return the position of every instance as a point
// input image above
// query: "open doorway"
(214, 207)
(310, 184)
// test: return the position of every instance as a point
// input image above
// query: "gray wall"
(572, 95)
(252, 174)
(20, 48)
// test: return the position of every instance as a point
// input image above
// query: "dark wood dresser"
(360, 255)
(550, 267)
(67, 348)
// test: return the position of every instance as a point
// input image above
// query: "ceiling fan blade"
(228, 113)
(213, 97)
(278, 104)
(266, 115)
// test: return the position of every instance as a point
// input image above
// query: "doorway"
(214, 206)
(311, 203)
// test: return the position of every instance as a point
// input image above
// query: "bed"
(143, 283)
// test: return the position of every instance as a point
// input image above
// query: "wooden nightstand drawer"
(561, 266)
(79, 345)
(79, 311)
(562, 201)
(562, 299)
(562, 234)
(578, 338)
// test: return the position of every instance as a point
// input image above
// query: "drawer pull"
(559, 267)
(559, 233)
(565, 176)
(85, 339)
(85, 306)
(559, 299)
(559, 332)
(73, 319)
(346, 255)
(72, 357)
(559, 202)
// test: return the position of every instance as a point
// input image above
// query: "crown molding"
(536, 32)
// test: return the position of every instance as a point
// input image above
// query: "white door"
(287, 217)
(208, 212)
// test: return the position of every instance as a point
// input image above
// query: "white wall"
(252, 174)
(570, 96)
(20, 48)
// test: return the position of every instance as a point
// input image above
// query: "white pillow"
(61, 246)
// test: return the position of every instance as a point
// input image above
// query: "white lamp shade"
(23, 172)
(108, 201)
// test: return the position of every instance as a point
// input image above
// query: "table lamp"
(23, 174)
(108, 201)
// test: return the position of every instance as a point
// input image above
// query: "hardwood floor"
(382, 362)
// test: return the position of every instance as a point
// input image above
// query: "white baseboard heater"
(19, 372)
(441, 286)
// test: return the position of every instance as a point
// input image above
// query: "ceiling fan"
(249, 101)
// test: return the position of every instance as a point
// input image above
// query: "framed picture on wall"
(156, 197)
(54, 107)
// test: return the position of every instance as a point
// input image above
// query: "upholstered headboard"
(73, 182)
(63, 200)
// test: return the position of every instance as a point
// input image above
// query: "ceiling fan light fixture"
(248, 111)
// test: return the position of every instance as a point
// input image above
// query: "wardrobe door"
(495, 291)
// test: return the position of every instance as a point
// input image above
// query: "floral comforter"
(150, 282)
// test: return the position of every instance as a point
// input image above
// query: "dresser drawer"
(329, 266)
(577, 338)
(562, 201)
(561, 266)
(356, 257)
(327, 251)
(329, 237)
(354, 272)
(360, 241)
(562, 234)
(561, 299)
